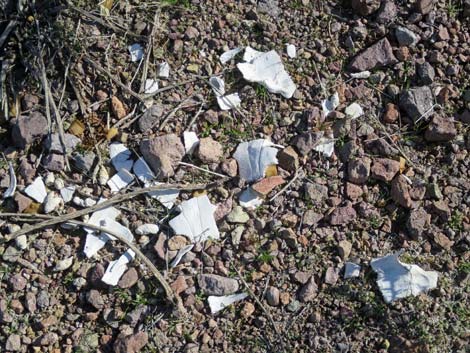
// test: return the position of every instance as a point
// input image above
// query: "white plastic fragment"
(351, 270)
(121, 156)
(94, 243)
(151, 86)
(191, 141)
(360, 75)
(52, 202)
(229, 55)
(36, 190)
(399, 280)
(142, 171)
(325, 146)
(166, 197)
(120, 180)
(196, 220)
(67, 193)
(116, 268)
(12, 187)
(291, 51)
(164, 70)
(218, 303)
(329, 105)
(354, 111)
(254, 157)
(183, 251)
(268, 70)
(228, 102)
(63, 264)
(250, 199)
(217, 85)
(147, 228)
(136, 51)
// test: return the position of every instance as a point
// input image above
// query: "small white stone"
(21, 242)
(63, 264)
(89, 202)
(59, 184)
(147, 228)
(50, 178)
(52, 202)
(103, 176)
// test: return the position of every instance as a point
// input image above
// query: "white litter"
(183, 251)
(329, 105)
(191, 141)
(116, 268)
(351, 270)
(325, 146)
(268, 70)
(103, 176)
(104, 214)
(136, 51)
(398, 280)
(12, 187)
(196, 220)
(228, 102)
(151, 86)
(121, 156)
(36, 190)
(164, 70)
(229, 55)
(63, 264)
(142, 171)
(217, 85)
(148, 228)
(360, 75)
(219, 303)
(120, 180)
(52, 202)
(67, 193)
(250, 199)
(88, 202)
(94, 243)
(291, 51)
(354, 111)
(166, 197)
(254, 157)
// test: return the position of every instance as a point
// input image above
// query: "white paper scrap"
(325, 146)
(218, 303)
(12, 187)
(217, 85)
(183, 251)
(399, 280)
(151, 86)
(142, 171)
(329, 105)
(36, 190)
(191, 141)
(147, 228)
(116, 268)
(120, 180)
(166, 197)
(121, 156)
(164, 70)
(228, 102)
(291, 51)
(250, 199)
(196, 220)
(360, 75)
(136, 51)
(229, 55)
(354, 111)
(67, 193)
(268, 70)
(351, 270)
(254, 157)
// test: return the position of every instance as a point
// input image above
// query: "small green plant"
(183, 3)
(453, 8)
(265, 257)
(456, 221)
(464, 267)
(261, 92)
(375, 222)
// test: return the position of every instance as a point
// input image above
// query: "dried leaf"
(111, 133)
(254, 157)
(77, 128)
(118, 108)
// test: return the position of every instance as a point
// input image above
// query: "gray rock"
(387, 12)
(53, 144)
(293, 306)
(163, 153)
(129, 278)
(377, 55)
(316, 192)
(150, 118)
(48, 339)
(406, 37)
(308, 291)
(85, 161)
(306, 142)
(466, 8)
(237, 215)
(288, 159)
(13, 343)
(385, 169)
(269, 7)
(379, 146)
(94, 298)
(209, 150)
(272, 296)
(30, 302)
(43, 299)
(440, 129)
(136, 315)
(359, 170)
(331, 275)
(54, 162)
(417, 222)
(344, 249)
(11, 254)
(27, 129)
(365, 7)
(343, 215)
(217, 285)
(426, 73)
(312, 218)
(417, 101)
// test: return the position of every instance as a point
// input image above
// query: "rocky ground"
(398, 180)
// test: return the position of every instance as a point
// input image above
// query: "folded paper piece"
(196, 220)
(226, 102)
(151, 86)
(191, 141)
(329, 105)
(254, 157)
(250, 199)
(351, 270)
(116, 268)
(325, 146)
(397, 280)
(268, 70)
(219, 303)
(12, 187)
(94, 243)
(164, 70)
(136, 51)
(142, 171)
(229, 55)
(36, 190)
(166, 197)
(121, 157)
(120, 180)
(183, 251)
(147, 228)
(67, 193)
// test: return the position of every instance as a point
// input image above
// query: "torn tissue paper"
(254, 157)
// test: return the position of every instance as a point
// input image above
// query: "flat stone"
(442, 240)
(417, 102)
(400, 192)
(266, 185)
(129, 278)
(27, 129)
(385, 169)
(359, 170)
(163, 153)
(17, 282)
(344, 249)
(391, 114)
(331, 276)
(405, 36)
(440, 129)
(22, 202)
(54, 145)
(84, 161)
(272, 296)
(343, 215)
(54, 162)
(365, 7)
(378, 55)
(209, 150)
(387, 12)
(13, 343)
(217, 285)
(315, 192)
(424, 6)
(426, 73)
(179, 285)
(177, 242)
(94, 298)
(353, 191)
(306, 142)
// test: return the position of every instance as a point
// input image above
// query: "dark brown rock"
(288, 159)
(440, 129)
(27, 129)
(163, 153)
(130, 344)
(385, 169)
(378, 55)
(365, 7)
(343, 215)
(401, 192)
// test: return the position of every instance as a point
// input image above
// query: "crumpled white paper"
(250, 199)
(329, 105)
(229, 55)
(116, 268)
(218, 303)
(254, 157)
(351, 270)
(268, 70)
(191, 141)
(36, 190)
(354, 111)
(196, 220)
(151, 86)
(325, 146)
(136, 51)
(12, 187)
(226, 102)
(164, 70)
(398, 280)
(166, 197)
(360, 75)
(142, 171)
(94, 243)
(67, 193)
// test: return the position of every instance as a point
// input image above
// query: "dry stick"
(173, 112)
(6, 32)
(149, 51)
(287, 186)
(202, 169)
(160, 90)
(115, 199)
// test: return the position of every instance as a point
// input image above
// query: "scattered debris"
(142, 171)
(254, 157)
(164, 70)
(291, 51)
(147, 228)
(250, 199)
(226, 102)
(166, 197)
(229, 55)
(121, 157)
(267, 69)
(351, 270)
(120, 180)
(12, 187)
(360, 75)
(183, 251)
(191, 141)
(219, 303)
(354, 111)
(397, 280)
(151, 86)
(63, 264)
(329, 105)
(325, 146)
(136, 51)
(37, 190)
(116, 268)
